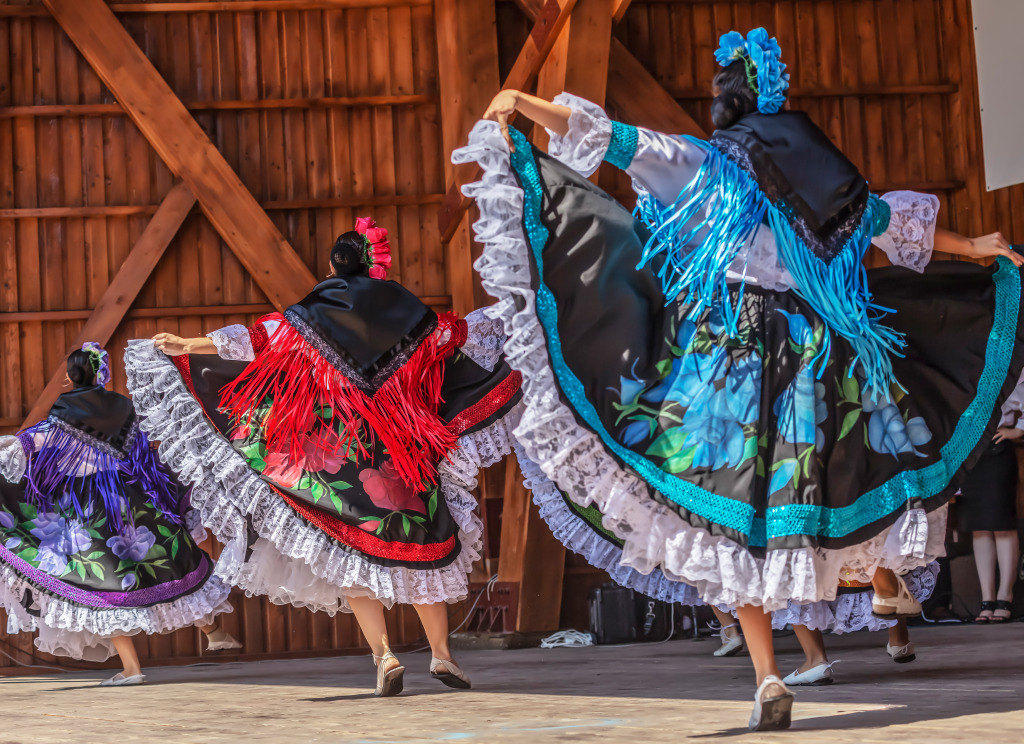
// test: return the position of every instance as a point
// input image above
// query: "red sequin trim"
(185, 370)
(497, 397)
(460, 332)
(258, 337)
(366, 542)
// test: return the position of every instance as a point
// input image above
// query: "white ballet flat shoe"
(449, 673)
(901, 654)
(389, 682)
(119, 680)
(902, 605)
(731, 645)
(819, 675)
(221, 640)
(773, 705)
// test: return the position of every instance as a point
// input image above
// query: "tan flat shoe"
(902, 605)
(389, 681)
(449, 673)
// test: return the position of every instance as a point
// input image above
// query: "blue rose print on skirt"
(892, 432)
(702, 411)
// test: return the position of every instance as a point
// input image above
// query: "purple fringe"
(150, 475)
(52, 473)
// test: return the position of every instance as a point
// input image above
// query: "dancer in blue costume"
(748, 408)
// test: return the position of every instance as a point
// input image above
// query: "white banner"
(998, 26)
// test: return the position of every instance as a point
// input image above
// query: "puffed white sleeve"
(13, 458)
(660, 164)
(233, 342)
(910, 237)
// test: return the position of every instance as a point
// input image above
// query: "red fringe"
(402, 414)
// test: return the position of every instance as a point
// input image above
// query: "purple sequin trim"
(109, 600)
(28, 441)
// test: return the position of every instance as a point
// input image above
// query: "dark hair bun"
(80, 370)
(347, 254)
(735, 98)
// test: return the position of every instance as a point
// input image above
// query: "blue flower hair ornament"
(765, 71)
(99, 360)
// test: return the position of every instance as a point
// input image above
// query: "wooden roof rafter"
(188, 152)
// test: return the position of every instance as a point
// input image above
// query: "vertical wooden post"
(530, 554)
(467, 49)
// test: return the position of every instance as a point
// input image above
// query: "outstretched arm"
(172, 345)
(548, 115)
(987, 245)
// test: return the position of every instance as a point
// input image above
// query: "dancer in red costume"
(333, 447)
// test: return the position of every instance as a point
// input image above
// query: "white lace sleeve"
(233, 342)
(1012, 411)
(486, 339)
(910, 238)
(583, 147)
(13, 460)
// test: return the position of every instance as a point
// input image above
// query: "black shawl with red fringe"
(369, 352)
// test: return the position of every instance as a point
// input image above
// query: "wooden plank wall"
(324, 114)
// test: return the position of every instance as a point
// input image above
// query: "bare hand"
(501, 108)
(170, 344)
(1007, 434)
(993, 245)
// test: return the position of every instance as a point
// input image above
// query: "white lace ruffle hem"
(67, 629)
(226, 492)
(848, 613)
(723, 572)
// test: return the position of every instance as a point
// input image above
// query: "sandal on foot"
(902, 605)
(452, 675)
(773, 705)
(389, 681)
(221, 640)
(731, 645)
(119, 680)
(1002, 606)
(982, 619)
(819, 675)
(901, 654)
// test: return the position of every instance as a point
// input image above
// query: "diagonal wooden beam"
(547, 25)
(637, 97)
(184, 147)
(125, 286)
(619, 10)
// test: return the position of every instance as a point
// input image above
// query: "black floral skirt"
(745, 464)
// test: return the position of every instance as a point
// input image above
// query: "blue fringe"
(699, 252)
(53, 468)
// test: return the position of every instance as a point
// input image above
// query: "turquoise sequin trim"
(622, 148)
(792, 519)
(881, 213)
(923, 483)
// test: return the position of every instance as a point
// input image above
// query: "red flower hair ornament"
(376, 246)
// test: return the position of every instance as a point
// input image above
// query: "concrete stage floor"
(966, 686)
